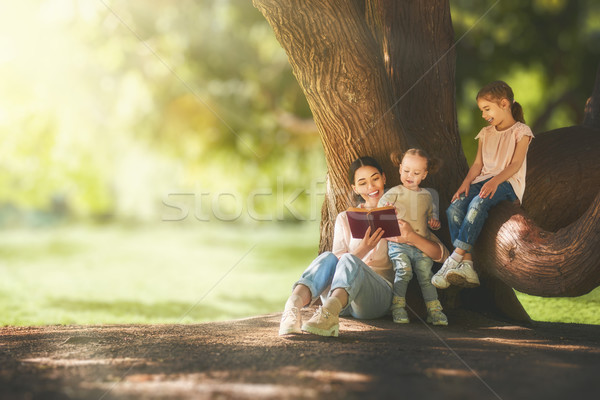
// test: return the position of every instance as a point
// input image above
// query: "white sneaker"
(464, 276)
(439, 279)
(291, 320)
(323, 323)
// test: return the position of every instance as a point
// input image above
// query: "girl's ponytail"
(433, 165)
(517, 112)
(396, 158)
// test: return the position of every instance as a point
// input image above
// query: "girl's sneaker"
(464, 275)
(439, 279)
(291, 320)
(399, 314)
(435, 316)
(323, 323)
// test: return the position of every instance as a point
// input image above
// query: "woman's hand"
(489, 188)
(464, 188)
(405, 231)
(368, 242)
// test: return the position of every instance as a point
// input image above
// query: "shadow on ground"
(473, 358)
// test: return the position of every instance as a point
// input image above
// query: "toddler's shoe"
(323, 323)
(439, 279)
(399, 314)
(435, 316)
(291, 320)
(464, 275)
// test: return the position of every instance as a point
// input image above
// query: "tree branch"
(542, 263)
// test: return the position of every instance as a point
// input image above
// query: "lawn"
(175, 273)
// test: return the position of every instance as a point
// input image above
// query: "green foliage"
(134, 103)
(547, 50)
(123, 104)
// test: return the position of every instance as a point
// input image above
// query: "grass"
(582, 310)
(160, 274)
(175, 273)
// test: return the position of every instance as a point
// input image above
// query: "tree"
(379, 75)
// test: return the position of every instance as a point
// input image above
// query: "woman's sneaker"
(435, 316)
(291, 320)
(464, 275)
(399, 314)
(439, 279)
(323, 323)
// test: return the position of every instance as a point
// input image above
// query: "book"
(360, 219)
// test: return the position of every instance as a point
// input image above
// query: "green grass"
(582, 310)
(160, 274)
(175, 273)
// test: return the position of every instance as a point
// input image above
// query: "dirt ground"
(473, 358)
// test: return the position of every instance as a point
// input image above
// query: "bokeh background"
(159, 163)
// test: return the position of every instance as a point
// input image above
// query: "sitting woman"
(357, 272)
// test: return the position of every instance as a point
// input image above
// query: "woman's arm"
(489, 188)
(408, 235)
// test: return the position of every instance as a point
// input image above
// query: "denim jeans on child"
(467, 214)
(406, 259)
(369, 295)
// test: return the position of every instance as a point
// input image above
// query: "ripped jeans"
(467, 215)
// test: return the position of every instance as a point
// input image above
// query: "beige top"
(498, 148)
(378, 258)
(415, 207)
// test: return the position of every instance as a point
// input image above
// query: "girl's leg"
(422, 267)
(400, 255)
(401, 262)
(477, 213)
(458, 209)
(472, 225)
(456, 214)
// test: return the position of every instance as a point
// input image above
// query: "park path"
(473, 358)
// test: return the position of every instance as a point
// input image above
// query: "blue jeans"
(369, 295)
(467, 215)
(407, 258)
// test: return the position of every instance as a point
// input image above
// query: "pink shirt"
(498, 148)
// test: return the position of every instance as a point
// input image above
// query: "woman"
(357, 271)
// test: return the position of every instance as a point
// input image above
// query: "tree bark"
(416, 40)
(335, 60)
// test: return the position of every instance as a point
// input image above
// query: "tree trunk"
(379, 76)
(336, 62)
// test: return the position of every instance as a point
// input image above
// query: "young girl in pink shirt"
(497, 174)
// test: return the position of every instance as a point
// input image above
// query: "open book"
(381, 217)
